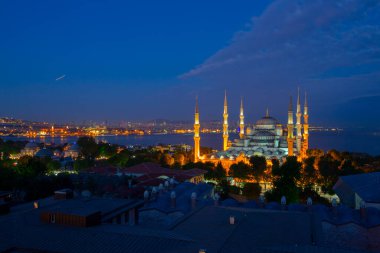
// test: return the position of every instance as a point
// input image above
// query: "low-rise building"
(146, 171)
(182, 218)
(73, 151)
(30, 149)
(86, 212)
(359, 189)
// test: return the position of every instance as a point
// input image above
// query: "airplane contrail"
(61, 77)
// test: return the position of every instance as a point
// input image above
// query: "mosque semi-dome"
(31, 145)
(42, 153)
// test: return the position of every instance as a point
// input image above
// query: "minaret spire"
(196, 105)
(290, 107)
(305, 105)
(305, 127)
(267, 113)
(298, 124)
(241, 106)
(290, 138)
(241, 133)
(225, 123)
(225, 102)
(298, 101)
(197, 137)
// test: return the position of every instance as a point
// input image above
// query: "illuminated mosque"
(267, 137)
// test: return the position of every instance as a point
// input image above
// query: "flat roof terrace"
(83, 206)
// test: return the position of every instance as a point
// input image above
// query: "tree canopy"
(259, 165)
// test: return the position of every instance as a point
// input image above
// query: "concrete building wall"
(70, 219)
(345, 194)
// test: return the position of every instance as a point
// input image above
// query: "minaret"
(298, 124)
(241, 134)
(225, 123)
(305, 127)
(290, 129)
(197, 138)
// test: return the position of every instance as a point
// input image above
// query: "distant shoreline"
(158, 133)
(351, 141)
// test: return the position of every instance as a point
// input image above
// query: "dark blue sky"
(137, 60)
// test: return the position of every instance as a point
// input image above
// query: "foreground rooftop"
(207, 227)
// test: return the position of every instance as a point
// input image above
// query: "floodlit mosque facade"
(266, 138)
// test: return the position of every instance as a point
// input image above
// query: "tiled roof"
(105, 170)
(146, 172)
(64, 239)
(146, 168)
(83, 206)
(152, 170)
(210, 226)
(255, 230)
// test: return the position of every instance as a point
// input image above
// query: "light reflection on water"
(342, 141)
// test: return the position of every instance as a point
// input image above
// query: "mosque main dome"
(267, 121)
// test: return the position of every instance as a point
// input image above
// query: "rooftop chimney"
(283, 202)
(173, 199)
(154, 192)
(232, 220)
(146, 197)
(309, 203)
(193, 200)
(216, 199)
(262, 200)
(334, 204)
(171, 183)
(363, 211)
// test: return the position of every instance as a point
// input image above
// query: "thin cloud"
(329, 48)
(313, 28)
